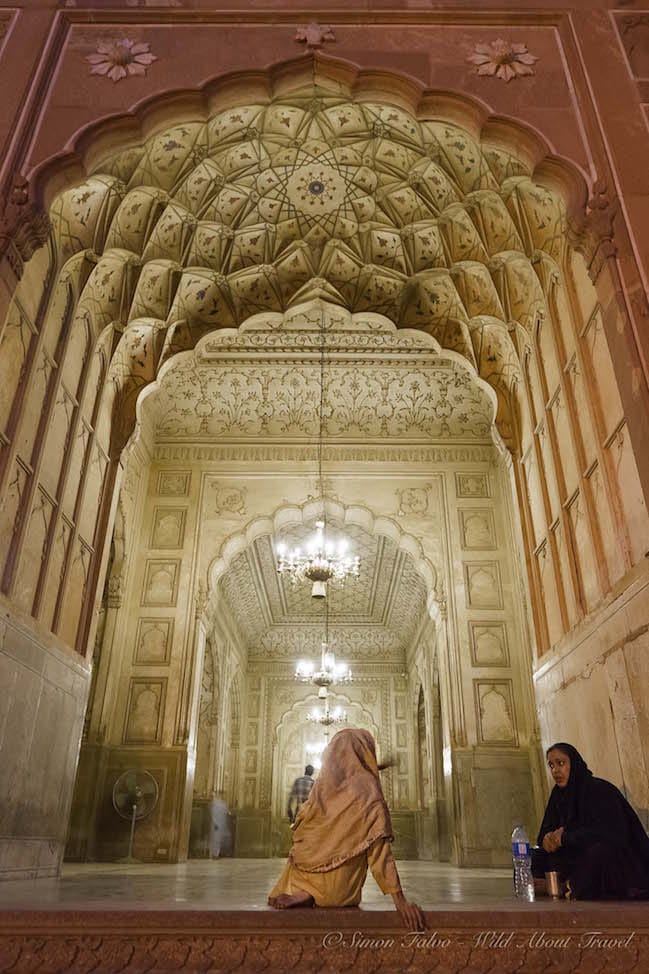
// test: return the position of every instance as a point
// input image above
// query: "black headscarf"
(567, 805)
(593, 810)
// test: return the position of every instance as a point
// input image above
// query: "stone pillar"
(145, 707)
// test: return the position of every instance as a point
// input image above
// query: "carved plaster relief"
(482, 585)
(314, 35)
(121, 58)
(161, 582)
(477, 528)
(472, 485)
(145, 711)
(489, 645)
(174, 483)
(495, 712)
(229, 498)
(414, 500)
(153, 641)
(168, 529)
(503, 59)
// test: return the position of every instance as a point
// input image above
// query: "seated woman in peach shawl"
(342, 828)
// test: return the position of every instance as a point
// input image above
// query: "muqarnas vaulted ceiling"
(263, 206)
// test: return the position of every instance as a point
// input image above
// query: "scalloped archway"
(387, 199)
(307, 514)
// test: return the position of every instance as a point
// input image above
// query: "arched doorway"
(419, 221)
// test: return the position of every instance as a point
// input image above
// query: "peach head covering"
(346, 811)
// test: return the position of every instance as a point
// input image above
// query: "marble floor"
(243, 884)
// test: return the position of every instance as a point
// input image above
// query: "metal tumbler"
(552, 884)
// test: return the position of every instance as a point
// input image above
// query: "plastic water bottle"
(522, 863)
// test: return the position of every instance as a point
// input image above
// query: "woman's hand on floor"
(411, 914)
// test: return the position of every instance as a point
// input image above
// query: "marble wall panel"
(168, 529)
(161, 582)
(44, 692)
(477, 529)
(153, 641)
(489, 643)
(472, 484)
(494, 790)
(495, 714)
(174, 483)
(482, 585)
(145, 711)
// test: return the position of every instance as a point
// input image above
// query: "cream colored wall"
(463, 530)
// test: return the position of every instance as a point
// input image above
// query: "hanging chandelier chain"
(324, 559)
(321, 422)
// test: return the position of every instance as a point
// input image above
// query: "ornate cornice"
(256, 452)
(24, 227)
(592, 232)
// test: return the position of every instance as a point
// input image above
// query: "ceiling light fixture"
(323, 560)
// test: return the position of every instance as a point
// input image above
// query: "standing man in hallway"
(300, 792)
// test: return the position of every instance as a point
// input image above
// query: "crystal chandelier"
(323, 560)
(329, 674)
(326, 717)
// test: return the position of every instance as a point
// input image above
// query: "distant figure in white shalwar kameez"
(220, 829)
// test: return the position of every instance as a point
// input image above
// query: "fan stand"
(130, 858)
(135, 795)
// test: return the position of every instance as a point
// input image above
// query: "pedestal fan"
(135, 795)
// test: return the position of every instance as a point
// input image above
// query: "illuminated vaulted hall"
(320, 295)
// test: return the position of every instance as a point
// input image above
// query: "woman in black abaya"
(590, 834)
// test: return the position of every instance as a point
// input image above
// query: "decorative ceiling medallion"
(502, 59)
(121, 59)
(316, 190)
(314, 35)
